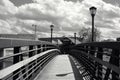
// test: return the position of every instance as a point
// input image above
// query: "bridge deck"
(59, 68)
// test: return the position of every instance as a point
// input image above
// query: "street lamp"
(93, 12)
(75, 37)
(35, 31)
(51, 27)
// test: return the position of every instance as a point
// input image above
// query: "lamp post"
(51, 27)
(75, 37)
(93, 12)
(35, 31)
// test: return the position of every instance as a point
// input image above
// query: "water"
(9, 51)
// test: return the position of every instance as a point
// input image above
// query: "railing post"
(92, 52)
(31, 53)
(41, 48)
(16, 59)
(99, 66)
(45, 47)
(38, 47)
(115, 61)
(86, 49)
(1, 55)
(36, 51)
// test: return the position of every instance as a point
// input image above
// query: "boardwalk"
(45, 61)
(58, 68)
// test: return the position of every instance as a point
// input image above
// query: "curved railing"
(100, 59)
(25, 64)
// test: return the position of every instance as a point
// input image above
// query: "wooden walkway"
(59, 68)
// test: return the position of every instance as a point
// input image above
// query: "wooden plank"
(11, 69)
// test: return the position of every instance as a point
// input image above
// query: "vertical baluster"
(1, 55)
(43, 47)
(36, 51)
(38, 47)
(30, 55)
(115, 61)
(47, 47)
(92, 52)
(16, 59)
(86, 49)
(99, 66)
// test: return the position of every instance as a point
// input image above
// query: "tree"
(85, 34)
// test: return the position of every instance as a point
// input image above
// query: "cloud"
(68, 16)
(7, 8)
(114, 2)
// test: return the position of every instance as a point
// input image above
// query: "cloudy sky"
(68, 16)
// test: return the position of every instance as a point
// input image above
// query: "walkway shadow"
(64, 74)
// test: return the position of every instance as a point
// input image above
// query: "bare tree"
(85, 34)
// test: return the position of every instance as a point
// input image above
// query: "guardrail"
(25, 64)
(101, 60)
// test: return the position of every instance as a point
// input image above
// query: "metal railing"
(25, 64)
(101, 60)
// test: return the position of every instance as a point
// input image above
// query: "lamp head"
(51, 26)
(93, 10)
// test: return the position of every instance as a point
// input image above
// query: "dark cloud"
(73, 0)
(21, 2)
(114, 2)
(111, 15)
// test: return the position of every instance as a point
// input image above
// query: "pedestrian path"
(59, 68)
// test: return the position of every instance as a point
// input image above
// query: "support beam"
(1, 55)
(31, 53)
(39, 51)
(92, 52)
(16, 59)
(99, 66)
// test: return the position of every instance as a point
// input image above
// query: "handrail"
(8, 43)
(11, 69)
(43, 61)
(111, 45)
(95, 52)
(107, 64)
(35, 50)
(12, 55)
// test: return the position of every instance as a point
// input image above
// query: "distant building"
(18, 36)
(118, 39)
(58, 40)
(108, 40)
